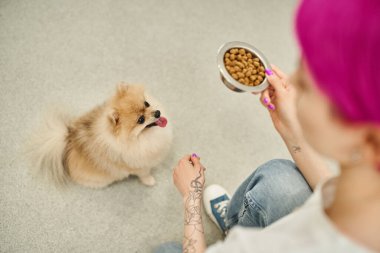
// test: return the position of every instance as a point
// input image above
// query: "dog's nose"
(157, 114)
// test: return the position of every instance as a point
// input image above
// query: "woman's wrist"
(292, 134)
(190, 196)
(292, 138)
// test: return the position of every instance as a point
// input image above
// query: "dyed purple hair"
(340, 41)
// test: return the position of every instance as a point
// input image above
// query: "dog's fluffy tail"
(47, 146)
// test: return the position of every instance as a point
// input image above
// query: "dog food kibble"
(244, 66)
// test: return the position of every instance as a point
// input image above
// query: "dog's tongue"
(161, 122)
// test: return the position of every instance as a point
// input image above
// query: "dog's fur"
(105, 145)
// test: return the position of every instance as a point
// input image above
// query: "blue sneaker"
(215, 201)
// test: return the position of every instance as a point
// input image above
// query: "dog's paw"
(148, 180)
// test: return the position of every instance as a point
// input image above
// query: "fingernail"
(195, 155)
(268, 72)
(271, 107)
(266, 100)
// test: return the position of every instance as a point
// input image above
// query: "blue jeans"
(272, 191)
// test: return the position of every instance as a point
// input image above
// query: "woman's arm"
(189, 179)
(280, 99)
(309, 162)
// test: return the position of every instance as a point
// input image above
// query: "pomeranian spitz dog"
(127, 135)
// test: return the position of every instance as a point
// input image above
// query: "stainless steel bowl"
(228, 80)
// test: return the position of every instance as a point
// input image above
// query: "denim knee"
(275, 190)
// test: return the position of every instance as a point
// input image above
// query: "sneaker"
(215, 200)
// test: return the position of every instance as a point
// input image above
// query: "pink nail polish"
(266, 101)
(194, 155)
(271, 107)
(268, 72)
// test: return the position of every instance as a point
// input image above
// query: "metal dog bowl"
(228, 80)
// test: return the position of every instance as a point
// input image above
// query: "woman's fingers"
(279, 72)
(267, 99)
(271, 91)
(186, 158)
(197, 165)
(195, 161)
(276, 83)
(281, 75)
(277, 80)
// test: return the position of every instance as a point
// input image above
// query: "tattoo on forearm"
(189, 245)
(193, 215)
(296, 149)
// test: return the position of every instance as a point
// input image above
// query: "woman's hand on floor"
(280, 100)
(188, 175)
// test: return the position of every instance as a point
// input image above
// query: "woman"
(330, 104)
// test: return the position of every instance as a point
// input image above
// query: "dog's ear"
(114, 118)
(122, 89)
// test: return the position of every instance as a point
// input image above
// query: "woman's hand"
(188, 176)
(280, 99)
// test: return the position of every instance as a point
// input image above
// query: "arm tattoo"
(193, 215)
(296, 149)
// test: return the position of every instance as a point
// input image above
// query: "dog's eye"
(141, 120)
(146, 104)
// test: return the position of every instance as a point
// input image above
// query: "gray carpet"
(72, 53)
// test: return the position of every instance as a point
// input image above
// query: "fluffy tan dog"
(127, 135)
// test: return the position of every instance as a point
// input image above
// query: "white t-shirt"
(307, 229)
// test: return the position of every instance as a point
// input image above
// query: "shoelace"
(221, 208)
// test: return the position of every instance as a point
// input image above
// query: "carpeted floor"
(72, 53)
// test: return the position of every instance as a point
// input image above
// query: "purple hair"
(340, 41)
